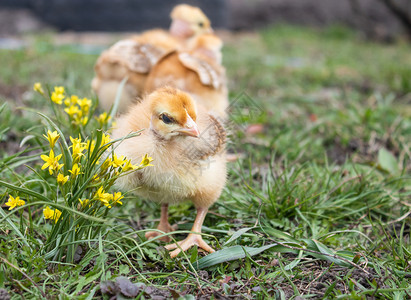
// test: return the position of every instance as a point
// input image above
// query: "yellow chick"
(197, 71)
(135, 56)
(188, 149)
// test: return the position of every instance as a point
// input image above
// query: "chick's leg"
(193, 238)
(164, 226)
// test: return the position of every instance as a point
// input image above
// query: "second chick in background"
(196, 70)
(135, 56)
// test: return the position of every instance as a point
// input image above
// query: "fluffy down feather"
(187, 145)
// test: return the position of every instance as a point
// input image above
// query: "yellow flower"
(101, 194)
(14, 202)
(52, 137)
(84, 121)
(103, 118)
(103, 197)
(77, 147)
(72, 110)
(76, 141)
(38, 88)
(58, 167)
(90, 147)
(146, 161)
(75, 171)
(128, 166)
(117, 161)
(117, 197)
(57, 215)
(20, 202)
(59, 89)
(58, 95)
(51, 162)
(73, 100)
(84, 104)
(48, 213)
(106, 203)
(57, 98)
(61, 179)
(51, 214)
(84, 202)
(105, 139)
(77, 151)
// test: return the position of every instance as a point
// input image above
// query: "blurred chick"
(134, 57)
(197, 71)
(187, 145)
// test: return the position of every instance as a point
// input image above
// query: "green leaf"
(329, 289)
(319, 247)
(236, 252)
(279, 234)
(92, 292)
(237, 234)
(295, 262)
(123, 269)
(387, 161)
(18, 159)
(19, 233)
(26, 139)
(2, 273)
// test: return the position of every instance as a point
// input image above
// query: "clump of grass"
(82, 169)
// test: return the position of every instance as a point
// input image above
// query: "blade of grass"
(114, 109)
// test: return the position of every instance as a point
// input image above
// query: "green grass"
(327, 183)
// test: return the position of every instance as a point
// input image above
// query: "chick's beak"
(189, 129)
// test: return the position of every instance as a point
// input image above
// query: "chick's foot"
(191, 240)
(164, 226)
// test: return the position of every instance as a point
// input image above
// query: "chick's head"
(173, 113)
(188, 21)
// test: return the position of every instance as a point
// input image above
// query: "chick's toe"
(191, 240)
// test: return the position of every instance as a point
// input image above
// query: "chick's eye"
(201, 24)
(166, 119)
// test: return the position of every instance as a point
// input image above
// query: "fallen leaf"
(109, 287)
(126, 287)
